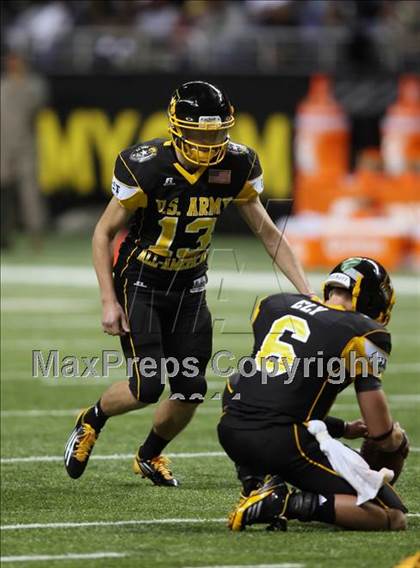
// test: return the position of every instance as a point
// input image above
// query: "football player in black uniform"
(263, 427)
(154, 297)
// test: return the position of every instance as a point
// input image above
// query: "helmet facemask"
(387, 290)
(202, 143)
(378, 306)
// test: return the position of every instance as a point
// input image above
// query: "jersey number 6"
(275, 355)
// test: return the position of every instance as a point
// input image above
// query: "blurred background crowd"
(260, 36)
(326, 91)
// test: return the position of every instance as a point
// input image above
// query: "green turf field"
(132, 522)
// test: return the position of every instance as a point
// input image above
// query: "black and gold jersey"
(175, 210)
(305, 353)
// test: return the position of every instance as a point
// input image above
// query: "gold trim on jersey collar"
(192, 178)
(339, 307)
(336, 307)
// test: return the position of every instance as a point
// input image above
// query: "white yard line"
(114, 457)
(60, 305)
(70, 556)
(53, 321)
(391, 397)
(396, 369)
(90, 345)
(133, 522)
(398, 401)
(407, 405)
(281, 565)
(403, 368)
(84, 276)
(111, 457)
(402, 339)
(76, 525)
(37, 413)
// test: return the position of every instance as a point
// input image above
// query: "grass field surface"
(110, 517)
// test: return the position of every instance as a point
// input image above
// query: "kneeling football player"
(263, 427)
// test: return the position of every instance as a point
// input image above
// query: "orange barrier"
(315, 193)
(322, 132)
(374, 237)
(371, 211)
(414, 253)
(401, 127)
(308, 249)
(322, 241)
(321, 146)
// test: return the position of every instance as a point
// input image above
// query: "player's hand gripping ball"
(378, 457)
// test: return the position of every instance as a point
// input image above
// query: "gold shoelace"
(85, 443)
(161, 464)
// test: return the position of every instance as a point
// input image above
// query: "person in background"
(23, 94)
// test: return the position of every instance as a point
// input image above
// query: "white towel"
(350, 464)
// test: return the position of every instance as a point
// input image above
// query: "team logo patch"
(237, 148)
(115, 187)
(143, 153)
(379, 360)
(220, 176)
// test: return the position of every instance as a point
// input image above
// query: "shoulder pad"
(374, 346)
(126, 187)
(380, 338)
(376, 332)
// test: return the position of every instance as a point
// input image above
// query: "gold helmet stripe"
(356, 291)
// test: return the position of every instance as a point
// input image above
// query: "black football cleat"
(267, 504)
(155, 469)
(79, 446)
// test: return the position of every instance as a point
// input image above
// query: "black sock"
(95, 416)
(152, 446)
(325, 513)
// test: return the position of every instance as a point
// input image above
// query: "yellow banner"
(67, 153)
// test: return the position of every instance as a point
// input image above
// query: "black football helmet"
(369, 284)
(200, 116)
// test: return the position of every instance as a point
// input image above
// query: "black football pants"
(170, 336)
